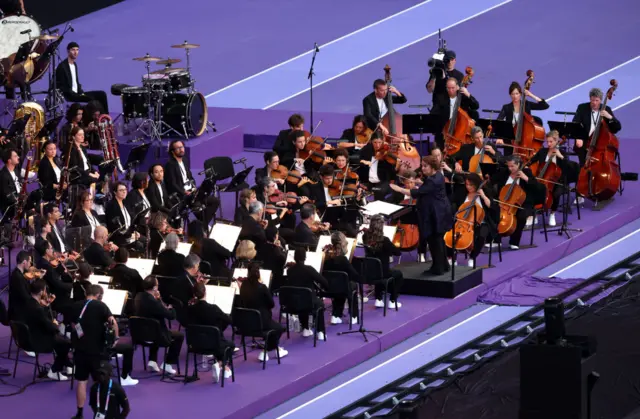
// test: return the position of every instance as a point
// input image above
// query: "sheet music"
(388, 231)
(183, 248)
(99, 279)
(381, 207)
(225, 234)
(314, 259)
(325, 240)
(265, 275)
(221, 296)
(115, 299)
(143, 266)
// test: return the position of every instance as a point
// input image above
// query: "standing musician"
(283, 144)
(375, 172)
(374, 105)
(80, 161)
(434, 212)
(179, 180)
(587, 114)
(119, 219)
(10, 183)
(68, 83)
(321, 195)
(468, 103)
(437, 84)
(50, 171)
(509, 112)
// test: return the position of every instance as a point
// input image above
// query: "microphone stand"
(310, 77)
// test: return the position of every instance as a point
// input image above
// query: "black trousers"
(97, 95)
(337, 304)
(174, 349)
(521, 220)
(274, 338)
(436, 247)
(126, 349)
(556, 193)
(394, 286)
(304, 317)
(61, 348)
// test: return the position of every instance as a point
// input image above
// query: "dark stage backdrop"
(49, 13)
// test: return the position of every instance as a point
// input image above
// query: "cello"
(511, 199)
(462, 235)
(457, 130)
(407, 236)
(599, 179)
(549, 174)
(404, 149)
(529, 136)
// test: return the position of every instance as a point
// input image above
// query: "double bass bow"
(457, 130)
(529, 136)
(600, 179)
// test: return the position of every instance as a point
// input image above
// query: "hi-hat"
(48, 37)
(169, 61)
(147, 58)
(168, 70)
(186, 45)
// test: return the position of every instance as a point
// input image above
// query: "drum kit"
(167, 100)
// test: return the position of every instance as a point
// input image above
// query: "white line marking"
(386, 362)
(595, 253)
(320, 46)
(593, 78)
(387, 53)
(626, 103)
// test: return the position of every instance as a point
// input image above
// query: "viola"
(600, 179)
(511, 199)
(457, 131)
(361, 139)
(461, 237)
(529, 136)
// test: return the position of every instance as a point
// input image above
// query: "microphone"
(315, 45)
(242, 160)
(25, 32)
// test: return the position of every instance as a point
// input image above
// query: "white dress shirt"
(373, 171)
(16, 181)
(74, 81)
(594, 120)
(452, 105)
(54, 227)
(185, 178)
(382, 105)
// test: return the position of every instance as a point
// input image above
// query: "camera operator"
(440, 72)
(107, 398)
(93, 325)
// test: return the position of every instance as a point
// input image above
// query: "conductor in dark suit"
(588, 114)
(445, 108)
(434, 212)
(68, 83)
(374, 105)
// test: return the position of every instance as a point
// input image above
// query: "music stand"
(422, 124)
(237, 183)
(49, 127)
(79, 238)
(573, 130)
(499, 129)
(137, 155)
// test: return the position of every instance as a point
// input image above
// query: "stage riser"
(440, 286)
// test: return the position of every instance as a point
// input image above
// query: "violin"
(457, 131)
(461, 237)
(529, 136)
(319, 227)
(345, 183)
(46, 299)
(109, 247)
(34, 273)
(511, 199)
(292, 176)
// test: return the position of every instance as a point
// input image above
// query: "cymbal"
(169, 61)
(147, 58)
(48, 37)
(186, 45)
(168, 70)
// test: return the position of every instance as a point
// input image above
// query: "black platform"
(441, 286)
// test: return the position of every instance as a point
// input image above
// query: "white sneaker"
(335, 320)
(31, 240)
(128, 381)
(227, 373)
(421, 258)
(455, 262)
(379, 303)
(320, 335)
(529, 221)
(552, 219)
(168, 369)
(579, 200)
(31, 354)
(470, 263)
(69, 370)
(215, 372)
(153, 365)
(57, 376)
(354, 320)
(282, 351)
(261, 356)
(306, 333)
(514, 247)
(392, 305)
(365, 299)
(489, 245)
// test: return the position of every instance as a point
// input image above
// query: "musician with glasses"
(68, 82)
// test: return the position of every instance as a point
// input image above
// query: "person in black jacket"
(273, 255)
(255, 295)
(336, 260)
(445, 109)
(68, 83)
(588, 115)
(80, 162)
(253, 226)
(49, 171)
(184, 283)
(120, 220)
(116, 406)
(124, 277)
(10, 183)
(467, 151)
(349, 138)
(97, 254)
(304, 276)
(19, 292)
(375, 174)
(209, 250)
(169, 260)
(157, 192)
(137, 200)
(305, 167)
(283, 143)
(201, 313)
(437, 84)
(272, 162)
(305, 233)
(374, 105)
(52, 215)
(58, 280)
(84, 215)
(246, 197)
(149, 305)
(81, 283)
(378, 246)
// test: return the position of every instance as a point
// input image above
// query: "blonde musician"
(50, 171)
(374, 105)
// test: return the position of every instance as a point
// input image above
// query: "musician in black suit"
(50, 171)
(209, 250)
(137, 201)
(272, 162)
(96, 254)
(148, 304)
(588, 114)
(124, 277)
(10, 183)
(468, 103)
(374, 105)
(245, 197)
(375, 174)
(52, 214)
(84, 215)
(510, 111)
(434, 212)
(156, 191)
(169, 260)
(333, 210)
(467, 151)
(349, 138)
(283, 144)
(80, 162)
(253, 226)
(336, 259)
(182, 287)
(68, 82)
(292, 161)
(437, 84)
(56, 277)
(19, 286)
(305, 231)
(119, 219)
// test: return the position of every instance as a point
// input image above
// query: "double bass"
(599, 179)
(457, 130)
(529, 136)
(400, 144)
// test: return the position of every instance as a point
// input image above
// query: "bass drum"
(12, 33)
(185, 112)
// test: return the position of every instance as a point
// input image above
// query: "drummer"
(68, 83)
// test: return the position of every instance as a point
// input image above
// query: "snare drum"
(134, 102)
(180, 80)
(179, 108)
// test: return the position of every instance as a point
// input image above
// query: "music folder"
(422, 123)
(499, 129)
(115, 300)
(314, 259)
(381, 207)
(325, 240)
(226, 235)
(221, 296)
(387, 231)
(568, 129)
(265, 276)
(143, 266)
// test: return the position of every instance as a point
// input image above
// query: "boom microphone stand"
(316, 50)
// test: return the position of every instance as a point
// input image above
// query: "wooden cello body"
(511, 199)
(463, 232)
(600, 179)
(457, 130)
(407, 236)
(529, 136)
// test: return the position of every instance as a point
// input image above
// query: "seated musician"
(587, 114)
(202, 313)
(305, 276)
(279, 215)
(336, 259)
(468, 103)
(44, 331)
(98, 253)
(50, 171)
(254, 225)
(552, 153)
(124, 277)
(510, 111)
(273, 255)
(246, 197)
(375, 174)
(179, 180)
(483, 198)
(374, 105)
(467, 151)
(169, 260)
(68, 83)
(283, 144)
(321, 192)
(209, 250)
(156, 191)
(52, 214)
(525, 179)
(183, 287)
(272, 162)
(80, 161)
(119, 220)
(90, 118)
(342, 164)
(84, 215)
(245, 254)
(306, 233)
(148, 304)
(74, 118)
(378, 246)
(19, 293)
(350, 136)
(59, 281)
(10, 183)
(292, 161)
(137, 201)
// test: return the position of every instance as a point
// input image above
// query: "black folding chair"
(248, 322)
(370, 270)
(205, 340)
(300, 301)
(147, 332)
(340, 286)
(22, 336)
